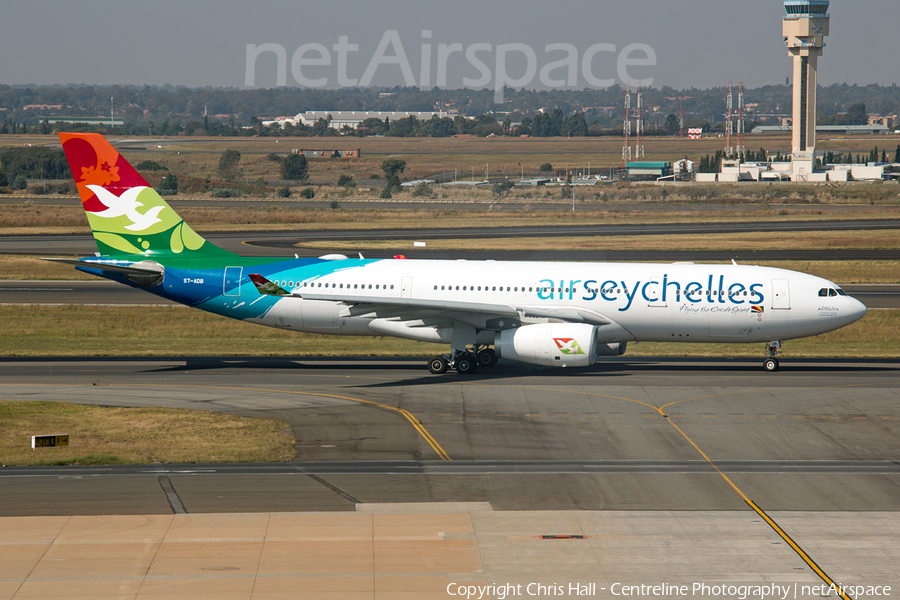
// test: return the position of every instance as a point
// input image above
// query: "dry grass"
(198, 157)
(23, 268)
(29, 219)
(170, 331)
(877, 335)
(850, 271)
(802, 240)
(177, 331)
(102, 435)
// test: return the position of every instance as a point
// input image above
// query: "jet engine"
(550, 344)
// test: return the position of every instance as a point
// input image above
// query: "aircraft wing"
(435, 312)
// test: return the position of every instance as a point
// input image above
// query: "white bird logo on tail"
(126, 205)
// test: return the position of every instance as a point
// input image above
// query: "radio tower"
(740, 121)
(729, 124)
(681, 123)
(626, 128)
(639, 146)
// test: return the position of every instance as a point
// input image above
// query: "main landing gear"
(772, 350)
(464, 363)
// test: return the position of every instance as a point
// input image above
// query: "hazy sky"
(697, 43)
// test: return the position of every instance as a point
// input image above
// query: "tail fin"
(112, 192)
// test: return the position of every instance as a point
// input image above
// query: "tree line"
(169, 110)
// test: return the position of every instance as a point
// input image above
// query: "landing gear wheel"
(487, 358)
(438, 365)
(771, 365)
(466, 365)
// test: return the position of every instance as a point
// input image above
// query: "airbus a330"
(541, 313)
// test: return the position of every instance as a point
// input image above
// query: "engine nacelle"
(549, 344)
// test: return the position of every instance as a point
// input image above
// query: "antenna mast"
(740, 123)
(729, 123)
(626, 127)
(639, 146)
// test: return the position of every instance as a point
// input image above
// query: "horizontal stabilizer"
(146, 272)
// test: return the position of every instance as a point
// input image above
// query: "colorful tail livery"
(126, 215)
(549, 314)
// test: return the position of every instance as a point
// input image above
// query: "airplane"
(542, 313)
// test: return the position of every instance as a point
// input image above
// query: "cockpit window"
(823, 293)
(841, 292)
(832, 292)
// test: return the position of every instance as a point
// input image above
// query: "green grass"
(170, 331)
(179, 331)
(105, 436)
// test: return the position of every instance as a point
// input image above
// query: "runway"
(104, 292)
(645, 434)
(635, 471)
(289, 243)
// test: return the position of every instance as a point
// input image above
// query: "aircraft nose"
(857, 310)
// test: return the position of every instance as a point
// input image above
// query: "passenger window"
(376, 286)
(392, 287)
(495, 289)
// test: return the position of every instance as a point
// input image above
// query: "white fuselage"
(640, 302)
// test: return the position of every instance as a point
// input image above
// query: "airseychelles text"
(716, 291)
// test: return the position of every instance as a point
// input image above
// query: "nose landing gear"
(772, 350)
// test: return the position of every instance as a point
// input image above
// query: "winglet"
(266, 287)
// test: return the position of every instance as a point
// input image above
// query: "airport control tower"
(806, 23)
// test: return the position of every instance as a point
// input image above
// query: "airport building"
(805, 25)
(114, 122)
(351, 119)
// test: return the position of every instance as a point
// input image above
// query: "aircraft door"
(406, 287)
(231, 285)
(781, 294)
(653, 292)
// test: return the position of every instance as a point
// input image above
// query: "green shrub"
(284, 192)
(308, 193)
(150, 165)
(423, 190)
(346, 181)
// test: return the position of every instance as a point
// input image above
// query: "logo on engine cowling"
(568, 346)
